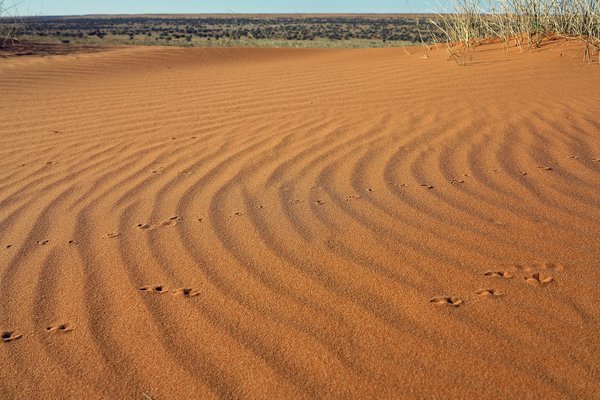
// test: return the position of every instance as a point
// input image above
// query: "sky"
(79, 7)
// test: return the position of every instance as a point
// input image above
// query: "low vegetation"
(9, 23)
(468, 23)
(231, 30)
(521, 23)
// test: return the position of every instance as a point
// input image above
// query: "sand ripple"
(243, 223)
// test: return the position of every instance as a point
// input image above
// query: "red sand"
(347, 224)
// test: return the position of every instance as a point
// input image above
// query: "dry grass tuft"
(521, 23)
(9, 23)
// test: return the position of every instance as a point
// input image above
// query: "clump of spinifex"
(523, 23)
(9, 23)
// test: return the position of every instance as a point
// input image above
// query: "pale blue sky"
(78, 7)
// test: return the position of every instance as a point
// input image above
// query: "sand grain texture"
(269, 223)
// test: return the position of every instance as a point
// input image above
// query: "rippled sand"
(253, 223)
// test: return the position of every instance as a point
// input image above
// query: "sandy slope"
(312, 203)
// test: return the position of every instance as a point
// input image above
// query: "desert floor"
(270, 223)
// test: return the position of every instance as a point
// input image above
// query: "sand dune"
(268, 223)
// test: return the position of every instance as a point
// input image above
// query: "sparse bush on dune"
(523, 23)
(9, 23)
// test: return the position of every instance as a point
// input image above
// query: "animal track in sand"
(499, 274)
(522, 173)
(447, 301)
(153, 289)
(489, 293)
(296, 201)
(537, 279)
(160, 289)
(60, 328)
(352, 197)
(455, 181)
(9, 336)
(186, 292)
(168, 222)
(172, 221)
(552, 266)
